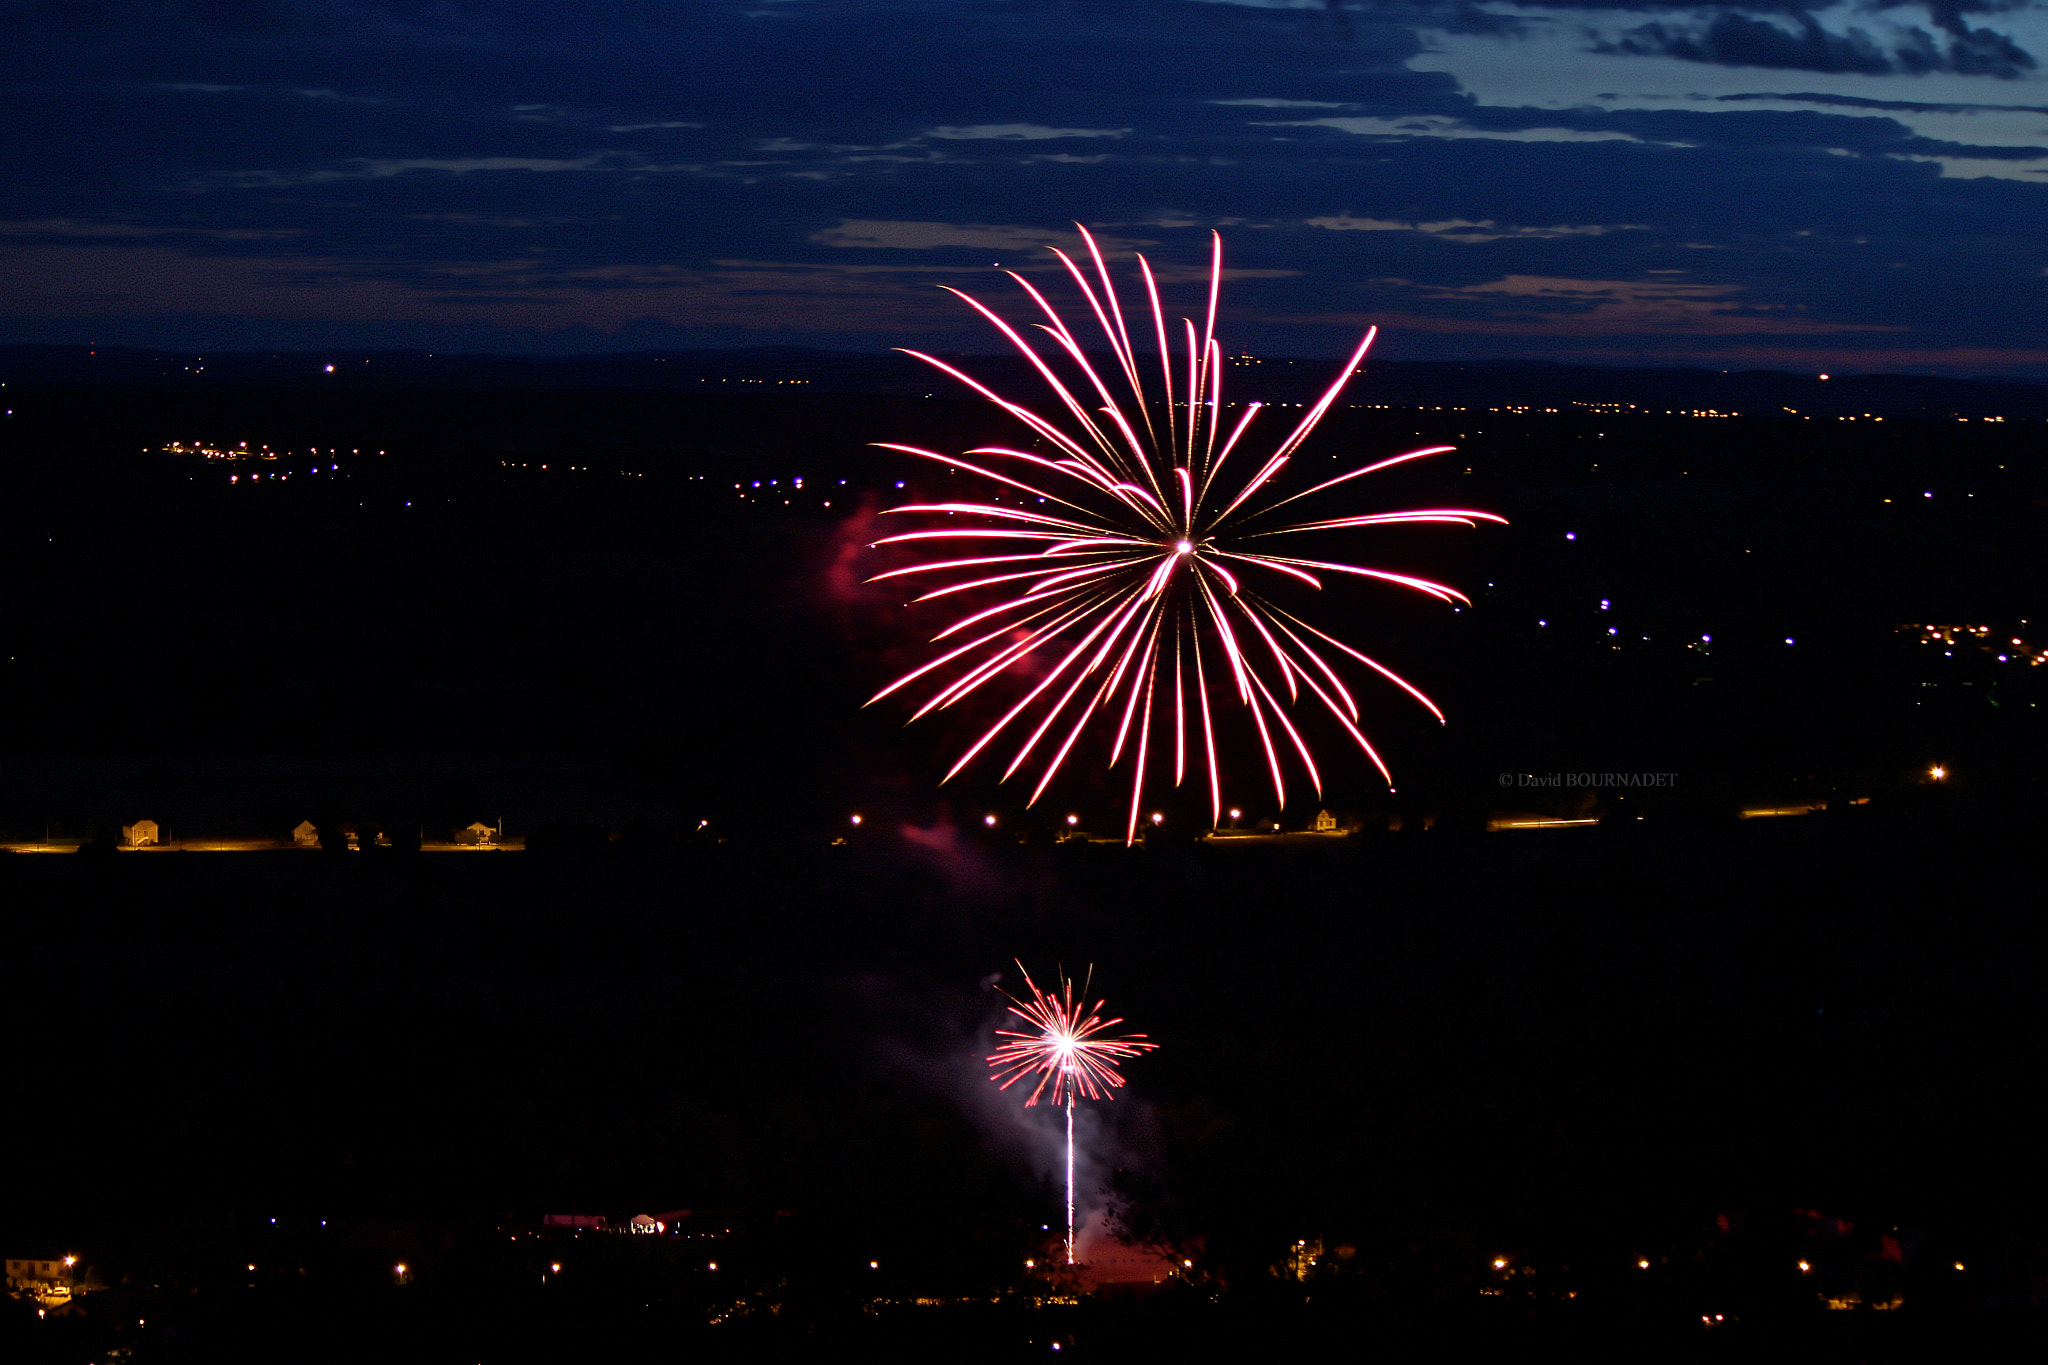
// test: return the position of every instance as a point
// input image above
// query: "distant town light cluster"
(242, 450)
(2004, 648)
(772, 490)
(239, 452)
(566, 468)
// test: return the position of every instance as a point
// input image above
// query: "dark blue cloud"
(486, 174)
(1860, 102)
(1735, 39)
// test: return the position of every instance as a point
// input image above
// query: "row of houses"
(306, 834)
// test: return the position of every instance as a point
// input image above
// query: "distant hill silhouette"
(782, 370)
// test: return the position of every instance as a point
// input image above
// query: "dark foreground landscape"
(1682, 1004)
(1433, 1092)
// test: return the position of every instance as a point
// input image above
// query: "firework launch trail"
(1069, 1051)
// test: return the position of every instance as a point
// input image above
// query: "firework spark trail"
(1125, 576)
(1070, 1052)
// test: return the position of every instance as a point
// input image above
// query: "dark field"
(1720, 1045)
(1573, 1049)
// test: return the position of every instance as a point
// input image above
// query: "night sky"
(1759, 185)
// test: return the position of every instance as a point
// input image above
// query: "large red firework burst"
(1123, 561)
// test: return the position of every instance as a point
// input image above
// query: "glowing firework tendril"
(1126, 581)
(1070, 1052)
